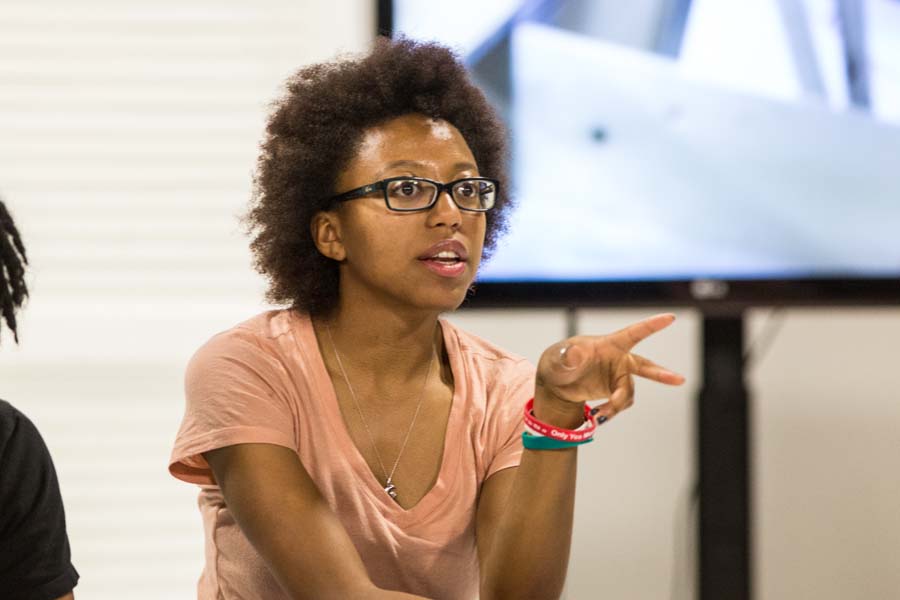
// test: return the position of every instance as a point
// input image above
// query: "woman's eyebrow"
(460, 166)
(464, 166)
(400, 163)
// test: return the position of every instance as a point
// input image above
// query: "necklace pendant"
(391, 490)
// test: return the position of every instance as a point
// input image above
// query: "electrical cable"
(763, 341)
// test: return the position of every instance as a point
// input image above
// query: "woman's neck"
(388, 346)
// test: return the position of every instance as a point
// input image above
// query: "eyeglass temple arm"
(359, 192)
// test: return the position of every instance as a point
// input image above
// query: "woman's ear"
(326, 232)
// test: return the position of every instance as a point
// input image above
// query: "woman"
(35, 559)
(355, 445)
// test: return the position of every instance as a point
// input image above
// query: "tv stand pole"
(723, 452)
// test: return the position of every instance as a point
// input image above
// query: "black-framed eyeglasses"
(409, 194)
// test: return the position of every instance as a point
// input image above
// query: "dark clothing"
(35, 561)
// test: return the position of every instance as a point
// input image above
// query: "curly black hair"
(315, 129)
(12, 270)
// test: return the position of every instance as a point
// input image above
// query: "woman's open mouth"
(447, 258)
(446, 263)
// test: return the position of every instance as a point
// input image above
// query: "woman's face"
(391, 257)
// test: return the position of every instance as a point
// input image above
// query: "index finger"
(631, 336)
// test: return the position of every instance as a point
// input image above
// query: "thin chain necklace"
(389, 487)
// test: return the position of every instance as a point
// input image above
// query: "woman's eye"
(407, 188)
(466, 189)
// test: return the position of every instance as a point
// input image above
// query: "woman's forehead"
(414, 138)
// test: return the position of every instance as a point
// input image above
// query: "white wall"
(825, 453)
(127, 135)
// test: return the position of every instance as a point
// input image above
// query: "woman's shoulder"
(19, 437)
(262, 327)
(269, 333)
(10, 420)
(269, 324)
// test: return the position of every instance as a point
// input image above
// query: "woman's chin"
(447, 301)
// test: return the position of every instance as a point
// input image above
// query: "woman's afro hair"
(315, 129)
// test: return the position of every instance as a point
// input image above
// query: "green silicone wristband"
(534, 442)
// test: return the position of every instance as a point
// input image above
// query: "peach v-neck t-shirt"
(264, 381)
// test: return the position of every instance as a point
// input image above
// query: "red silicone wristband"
(558, 433)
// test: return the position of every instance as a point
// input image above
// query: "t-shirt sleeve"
(236, 392)
(35, 559)
(515, 388)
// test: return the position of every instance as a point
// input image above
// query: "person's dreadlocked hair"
(12, 270)
(315, 130)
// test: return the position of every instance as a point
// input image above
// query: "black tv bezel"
(734, 295)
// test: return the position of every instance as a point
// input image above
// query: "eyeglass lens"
(412, 194)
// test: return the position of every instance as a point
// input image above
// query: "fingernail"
(595, 410)
(601, 419)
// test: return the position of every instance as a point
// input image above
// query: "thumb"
(564, 362)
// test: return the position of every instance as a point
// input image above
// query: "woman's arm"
(280, 510)
(524, 521)
(524, 526)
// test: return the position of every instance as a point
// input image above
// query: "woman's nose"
(445, 211)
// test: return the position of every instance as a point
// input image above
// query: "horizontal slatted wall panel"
(128, 135)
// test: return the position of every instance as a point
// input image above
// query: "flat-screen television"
(638, 184)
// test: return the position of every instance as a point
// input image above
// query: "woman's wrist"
(556, 411)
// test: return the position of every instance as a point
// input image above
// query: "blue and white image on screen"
(630, 165)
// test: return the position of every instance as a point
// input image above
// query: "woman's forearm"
(530, 552)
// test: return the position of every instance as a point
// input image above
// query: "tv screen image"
(638, 182)
(626, 171)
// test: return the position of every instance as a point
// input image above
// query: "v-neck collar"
(326, 399)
